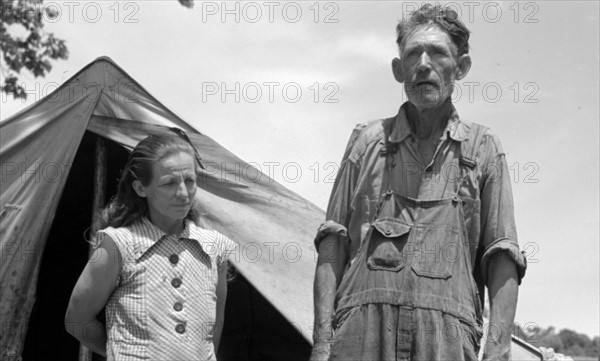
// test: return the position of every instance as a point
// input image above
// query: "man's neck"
(429, 123)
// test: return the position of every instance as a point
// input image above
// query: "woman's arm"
(91, 292)
(221, 298)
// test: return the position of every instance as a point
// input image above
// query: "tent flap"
(272, 226)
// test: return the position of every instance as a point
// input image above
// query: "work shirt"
(164, 305)
(487, 195)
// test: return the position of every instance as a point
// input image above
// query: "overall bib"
(410, 294)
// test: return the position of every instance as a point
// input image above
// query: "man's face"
(428, 67)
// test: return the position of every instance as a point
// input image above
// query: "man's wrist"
(322, 338)
(323, 333)
(323, 345)
(497, 350)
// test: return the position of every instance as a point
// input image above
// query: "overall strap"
(469, 153)
(468, 163)
(469, 148)
(387, 152)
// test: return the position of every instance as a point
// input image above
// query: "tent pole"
(98, 203)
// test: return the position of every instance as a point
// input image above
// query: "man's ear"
(139, 188)
(464, 65)
(397, 70)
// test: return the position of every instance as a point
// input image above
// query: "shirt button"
(178, 306)
(180, 328)
(176, 282)
(174, 258)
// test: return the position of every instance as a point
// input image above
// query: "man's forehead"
(427, 33)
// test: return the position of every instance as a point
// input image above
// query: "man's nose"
(424, 63)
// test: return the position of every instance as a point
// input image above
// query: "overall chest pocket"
(437, 251)
(387, 240)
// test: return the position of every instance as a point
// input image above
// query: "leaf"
(187, 3)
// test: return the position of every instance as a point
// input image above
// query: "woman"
(161, 277)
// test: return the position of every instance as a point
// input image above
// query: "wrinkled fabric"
(412, 232)
(489, 207)
(402, 334)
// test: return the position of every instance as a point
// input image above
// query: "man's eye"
(411, 53)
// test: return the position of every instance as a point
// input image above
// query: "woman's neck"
(167, 225)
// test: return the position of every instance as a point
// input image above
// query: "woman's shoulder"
(122, 236)
(116, 233)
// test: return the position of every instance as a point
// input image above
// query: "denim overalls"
(410, 294)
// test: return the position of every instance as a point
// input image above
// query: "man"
(420, 219)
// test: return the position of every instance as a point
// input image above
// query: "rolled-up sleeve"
(498, 229)
(339, 209)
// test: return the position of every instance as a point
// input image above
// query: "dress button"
(178, 306)
(174, 258)
(180, 328)
(176, 282)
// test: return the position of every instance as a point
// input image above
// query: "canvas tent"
(49, 154)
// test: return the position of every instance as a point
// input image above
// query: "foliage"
(567, 342)
(25, 44)
(33, 49)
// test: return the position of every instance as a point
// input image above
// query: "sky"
(282, 84)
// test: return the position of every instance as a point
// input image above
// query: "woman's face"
(171, 191)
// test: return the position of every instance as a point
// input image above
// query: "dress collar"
(150, 234)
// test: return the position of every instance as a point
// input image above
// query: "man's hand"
(550, 355)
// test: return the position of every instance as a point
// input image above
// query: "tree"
(33, 49)
(25, 44)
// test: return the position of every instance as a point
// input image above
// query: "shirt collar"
(456, 129)
(150, 234)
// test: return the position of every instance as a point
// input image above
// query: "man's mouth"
(426, 82)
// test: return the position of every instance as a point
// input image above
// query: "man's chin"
(426, 101)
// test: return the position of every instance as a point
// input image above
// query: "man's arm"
(330, 268)
(502, 264)
(503, 291)
(333, 245)
(91, 292)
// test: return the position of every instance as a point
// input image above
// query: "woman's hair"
(127, 206)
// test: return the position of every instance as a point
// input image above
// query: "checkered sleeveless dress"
(164, 304)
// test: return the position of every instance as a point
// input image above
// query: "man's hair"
(443, 17)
